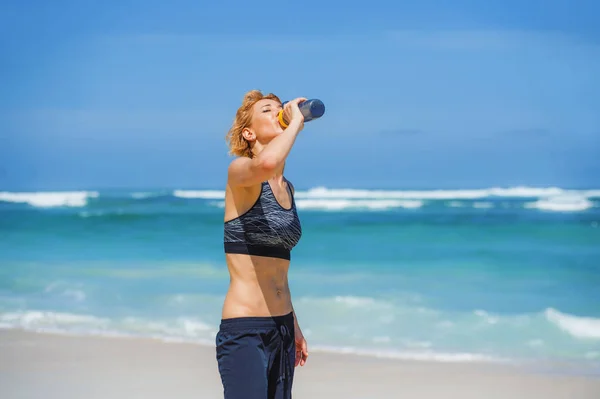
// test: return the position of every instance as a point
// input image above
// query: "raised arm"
(245, 171)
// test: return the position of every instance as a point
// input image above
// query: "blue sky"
(425, 94)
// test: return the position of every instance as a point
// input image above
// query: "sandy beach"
(42, 365)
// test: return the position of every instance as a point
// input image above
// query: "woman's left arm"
(300, 342)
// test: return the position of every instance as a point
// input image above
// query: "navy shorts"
(256, 357)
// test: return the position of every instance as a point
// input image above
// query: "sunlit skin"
(259, 285)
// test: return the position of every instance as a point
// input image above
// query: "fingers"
(301, 354)
(304, 354)
(291, 110)
(296, 100)
(300, 100)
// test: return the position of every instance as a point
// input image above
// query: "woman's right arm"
(246, 172)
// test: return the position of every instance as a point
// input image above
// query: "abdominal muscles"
(258, 287)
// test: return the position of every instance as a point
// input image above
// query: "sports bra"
(266, 229)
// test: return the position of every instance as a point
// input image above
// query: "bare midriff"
(258, 287)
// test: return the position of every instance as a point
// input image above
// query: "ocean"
(486, 275)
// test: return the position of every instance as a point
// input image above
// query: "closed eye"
(269, 108)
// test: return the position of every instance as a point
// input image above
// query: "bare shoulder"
(237, 164)
(247, 172)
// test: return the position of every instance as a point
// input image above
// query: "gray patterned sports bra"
(266, 229)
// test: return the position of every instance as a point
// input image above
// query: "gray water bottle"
(311, 109)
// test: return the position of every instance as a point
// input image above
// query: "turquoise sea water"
(507, 274)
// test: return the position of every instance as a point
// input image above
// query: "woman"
(259, 342)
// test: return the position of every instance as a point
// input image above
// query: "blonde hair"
(236, 142)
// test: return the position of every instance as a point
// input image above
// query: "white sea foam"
(192, 330)
(348, 193)
(90, 214)
(340, 204)
(50, 199)
(349, 324)
(179, 329)
(340, 198)
(591, 193)
(579, 327)
(564, 203)
(328, 198)
(182, 327)
(348, 302)
(34, 320)
(515, 192)
(200, 194)
(143, 195)
(424, 355)
(62, 288)
(556, 204)
(355, 301)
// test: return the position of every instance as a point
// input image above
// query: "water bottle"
(311, 109)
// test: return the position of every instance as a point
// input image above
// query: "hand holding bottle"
(309, 109)
(290, 112)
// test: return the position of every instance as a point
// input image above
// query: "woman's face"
(265, 124)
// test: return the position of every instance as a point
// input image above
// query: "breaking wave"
(552, 199)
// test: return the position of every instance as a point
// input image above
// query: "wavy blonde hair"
(236, 142)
